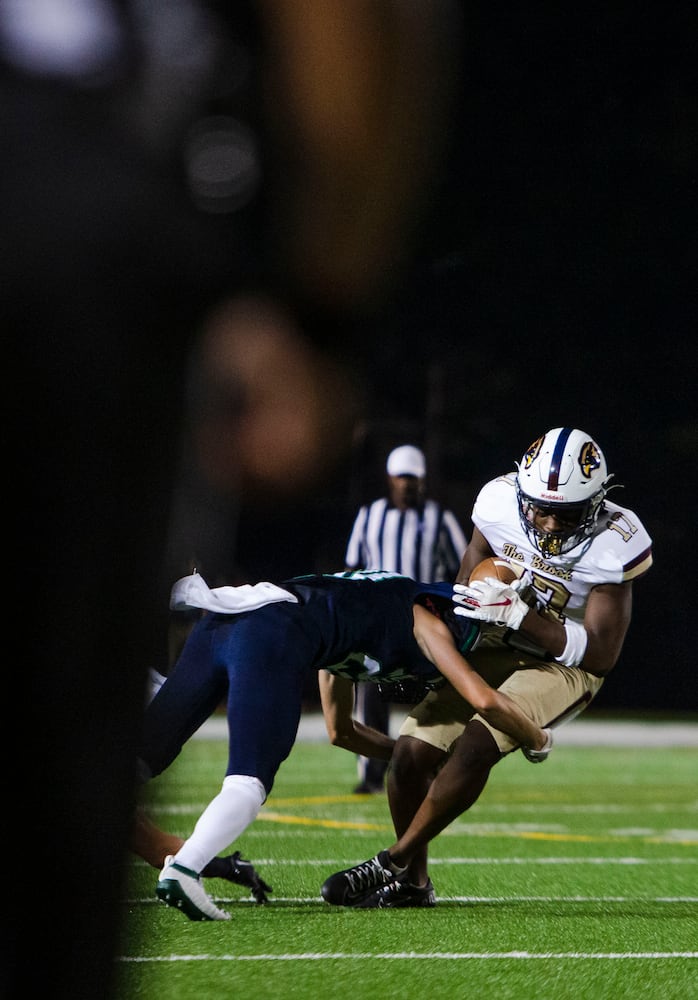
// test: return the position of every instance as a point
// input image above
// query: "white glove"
(538, 756)
(490, 600)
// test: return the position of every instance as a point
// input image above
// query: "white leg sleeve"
(222, 821)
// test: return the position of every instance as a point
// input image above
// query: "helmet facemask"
(581, 519)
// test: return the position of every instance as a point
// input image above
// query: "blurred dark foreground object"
(109, 271)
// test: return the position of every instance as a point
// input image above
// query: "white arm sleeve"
(575, 647)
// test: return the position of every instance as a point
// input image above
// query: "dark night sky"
(553, 283)
(556, 283)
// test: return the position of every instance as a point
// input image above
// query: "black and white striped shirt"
(426, 543)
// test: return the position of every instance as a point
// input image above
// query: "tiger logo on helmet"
(589, 459)
(531, 452)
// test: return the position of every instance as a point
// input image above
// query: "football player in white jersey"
(577, 555)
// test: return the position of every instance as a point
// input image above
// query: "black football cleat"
(234, 868)
(347, 887)
(398, 893)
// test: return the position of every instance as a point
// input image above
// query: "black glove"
(235, 869)
(408, 691)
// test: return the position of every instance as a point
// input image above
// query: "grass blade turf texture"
(577, 880)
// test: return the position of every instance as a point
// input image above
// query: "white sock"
(222, 821)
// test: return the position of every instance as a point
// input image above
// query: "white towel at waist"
(193, 592)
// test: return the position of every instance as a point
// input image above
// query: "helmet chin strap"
(549, 543)
(583, 542)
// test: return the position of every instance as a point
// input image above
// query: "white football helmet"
(562, 473)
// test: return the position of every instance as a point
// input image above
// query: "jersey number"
(553, 594)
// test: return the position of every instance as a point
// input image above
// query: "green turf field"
(572, 880)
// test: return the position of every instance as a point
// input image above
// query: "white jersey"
(620, 550)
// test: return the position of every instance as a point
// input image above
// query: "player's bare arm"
(436, 642)
(477, 550)
(337, 700)
(606, 622)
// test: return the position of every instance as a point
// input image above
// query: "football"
(496, 567)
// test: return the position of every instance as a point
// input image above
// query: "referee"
(403, 532)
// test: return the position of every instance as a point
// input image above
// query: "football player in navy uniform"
(577, 555)
(258, 661)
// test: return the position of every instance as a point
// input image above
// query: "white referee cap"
(406, 461)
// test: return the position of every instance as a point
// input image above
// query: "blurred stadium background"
(553, 282)
(486, 219)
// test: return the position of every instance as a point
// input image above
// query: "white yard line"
(430, 955)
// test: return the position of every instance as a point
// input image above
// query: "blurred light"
(222, 164)
(72, 38)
